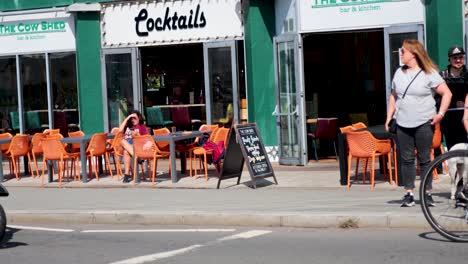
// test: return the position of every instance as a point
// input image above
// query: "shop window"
(119, 82)
(34, 82)
(35, 108)
(8, 91)
(173, 75)
(221, 82)
(64, 91)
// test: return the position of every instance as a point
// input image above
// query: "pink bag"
(218, 149)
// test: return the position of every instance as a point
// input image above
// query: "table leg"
(1, 166)
(50, 164)
(84, 171)
(183, 162)
(173, 160)
(342, 157)
(26, 165)
(132, 161)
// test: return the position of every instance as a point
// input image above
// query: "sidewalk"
(308, 196)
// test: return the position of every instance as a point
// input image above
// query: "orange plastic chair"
(96, 149)
(221, 134)
(162, 145)
(358, 125)
(34, 150)
(53, 150)
(363, 145)
(203, 128)
(51, 131)
(145, 148)
(364, 165)
(116, 151)
(190, 147)
(437, 144)
(115, 130)
(346, 129)
(75, 147)
(5, 147)
(19, 147)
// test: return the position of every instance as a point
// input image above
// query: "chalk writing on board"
(252, 145)
(245, 141)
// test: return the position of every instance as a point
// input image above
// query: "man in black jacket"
(456, 77)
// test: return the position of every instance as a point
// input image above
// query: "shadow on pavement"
(434, 236)
(8, 237)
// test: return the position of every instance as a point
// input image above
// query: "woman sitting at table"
(133, 125)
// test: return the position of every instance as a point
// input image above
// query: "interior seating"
(325, 129)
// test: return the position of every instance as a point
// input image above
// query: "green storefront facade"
(296, 58)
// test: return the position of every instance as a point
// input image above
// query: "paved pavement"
(306, 196)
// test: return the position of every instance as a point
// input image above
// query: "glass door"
(121, 84)
(393, 39)
(290, 106)
(221, 82)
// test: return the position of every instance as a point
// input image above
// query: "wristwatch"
(441, 114)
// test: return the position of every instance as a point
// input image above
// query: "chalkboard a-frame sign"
(245, 144)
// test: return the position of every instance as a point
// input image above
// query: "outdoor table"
(378, 132)
(26, 167)
(172, 138)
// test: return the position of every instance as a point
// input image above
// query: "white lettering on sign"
(250, 139)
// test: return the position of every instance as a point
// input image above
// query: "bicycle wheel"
(447, 217)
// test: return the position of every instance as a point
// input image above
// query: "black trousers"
(452, 128)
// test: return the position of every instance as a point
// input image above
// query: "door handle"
(275, 113)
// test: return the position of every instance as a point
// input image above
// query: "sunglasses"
(459, 57)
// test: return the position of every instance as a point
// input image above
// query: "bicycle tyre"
(445, 217)
(3, 221)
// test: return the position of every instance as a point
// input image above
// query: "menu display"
(245, 144)
(254, 151)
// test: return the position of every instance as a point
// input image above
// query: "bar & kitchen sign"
(37, 32)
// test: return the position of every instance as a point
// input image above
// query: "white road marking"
(40, 228)
(157, 256)
(156, 230)
(245, 235)
(172, 253)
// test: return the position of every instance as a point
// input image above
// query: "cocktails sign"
(163, 22)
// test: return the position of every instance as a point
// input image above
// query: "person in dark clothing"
(456, 77)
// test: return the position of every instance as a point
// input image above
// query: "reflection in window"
(221, 84)
(9, 94)
(34, 82)
(119, 87)
(64, 91)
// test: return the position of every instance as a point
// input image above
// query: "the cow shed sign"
(144, 24)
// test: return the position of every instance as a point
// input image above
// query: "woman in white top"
(416, 112)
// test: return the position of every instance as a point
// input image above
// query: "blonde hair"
(420, 54)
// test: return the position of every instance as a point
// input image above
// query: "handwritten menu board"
(254, 151)
(245, 144)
